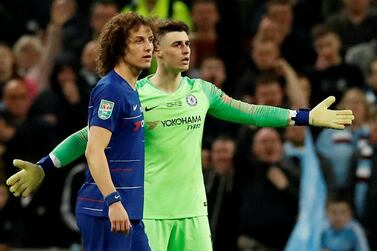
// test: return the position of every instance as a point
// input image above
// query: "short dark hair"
(322, 30)
(162, 27)
(339, 196)
(267, 78)
(113, 39)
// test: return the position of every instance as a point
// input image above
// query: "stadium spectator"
(342, 232)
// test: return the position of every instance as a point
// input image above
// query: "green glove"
(321, 116)
(27, 180)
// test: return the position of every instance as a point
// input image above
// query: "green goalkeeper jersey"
(174, 122)
(174, 186)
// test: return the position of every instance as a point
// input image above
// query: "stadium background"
(278, 52)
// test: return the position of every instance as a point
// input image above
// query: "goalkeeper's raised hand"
(321, 116)
(27, 180)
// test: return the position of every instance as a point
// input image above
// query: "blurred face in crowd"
(173, 51)
(88, 56)
(213, 70)
(101, 13)
(205, 15)
(357, 6)
(328, 47)
(265, 54)
(222, 153)
(355, 100)
(281, 13)
(269, 94)
(338, 214)
(372, 78)
(269, 28)
(28, 51)
(67, 74)
(16, 98)
(267, 145)
(6, 63)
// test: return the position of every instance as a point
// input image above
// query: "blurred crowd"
(286, 53)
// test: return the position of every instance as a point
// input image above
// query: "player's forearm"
(99, 170)
(258, 115)
(67, 151)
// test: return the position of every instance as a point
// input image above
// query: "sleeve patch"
(105, 109)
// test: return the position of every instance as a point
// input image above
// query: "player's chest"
(169, 112)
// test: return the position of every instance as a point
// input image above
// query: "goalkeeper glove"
(321, 116)
(27, 180)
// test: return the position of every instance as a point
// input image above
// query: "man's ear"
(157, 50)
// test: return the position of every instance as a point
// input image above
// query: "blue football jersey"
(115, 105)
(350, 238)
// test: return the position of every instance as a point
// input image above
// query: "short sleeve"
(107, 107)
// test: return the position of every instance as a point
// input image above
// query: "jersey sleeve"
(106, 107)
(70, 149)
(226, 108)
(361, 243)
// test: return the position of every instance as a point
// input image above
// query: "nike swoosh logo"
(135, 106)
(117, 197)
(147, 109)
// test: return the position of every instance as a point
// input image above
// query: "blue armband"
(302, 117)
(112, 198)
(46, 163)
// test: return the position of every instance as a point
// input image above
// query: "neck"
(128, 73)
(166, 80)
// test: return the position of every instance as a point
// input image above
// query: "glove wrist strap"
(302, 117)
(46, 163)
(112, 198)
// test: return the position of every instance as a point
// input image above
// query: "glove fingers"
(20, 190)
(344, 112)
(16, 189)
(343, 121)
(337, 126)
(27, 192)
(13, 179)
(350, 117)
(327, 102)
(22, 164)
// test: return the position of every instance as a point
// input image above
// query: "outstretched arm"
(226, 108)
(31, 175)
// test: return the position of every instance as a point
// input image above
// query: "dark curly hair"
(113, 39)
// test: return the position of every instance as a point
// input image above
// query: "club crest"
(191, 100)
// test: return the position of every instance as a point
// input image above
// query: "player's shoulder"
(195, 82)
(108, 85)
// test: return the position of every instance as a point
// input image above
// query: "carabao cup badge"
(191, 100)
(105, 109)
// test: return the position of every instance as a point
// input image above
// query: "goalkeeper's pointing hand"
(27, 180)
(321, 116)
